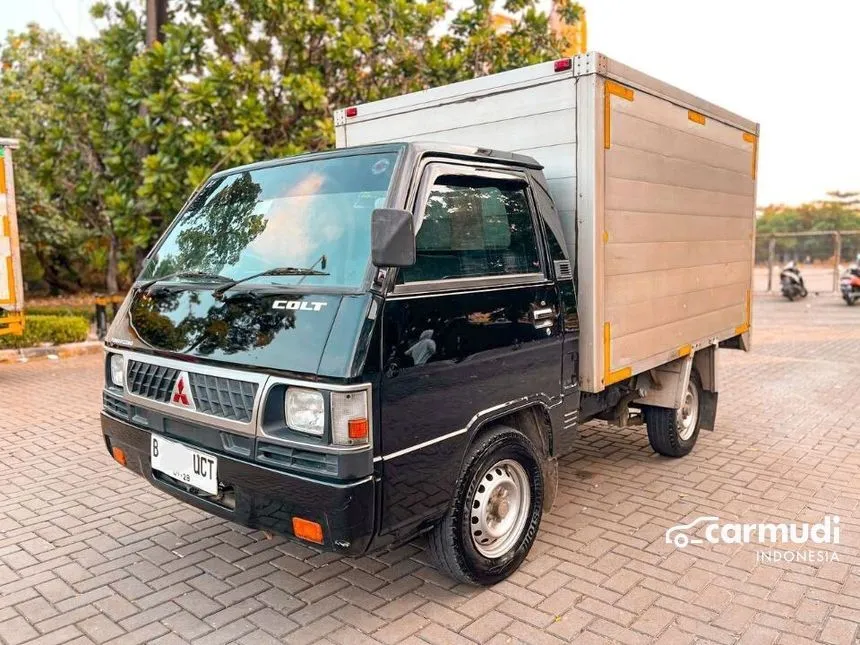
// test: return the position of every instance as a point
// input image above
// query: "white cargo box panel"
(655, 188)
(11, 283)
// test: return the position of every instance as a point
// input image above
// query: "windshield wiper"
(184, 274)
(217, 293)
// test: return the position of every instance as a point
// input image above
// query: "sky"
(789, 65)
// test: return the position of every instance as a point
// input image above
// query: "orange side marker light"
(119, 455)
(307, 530)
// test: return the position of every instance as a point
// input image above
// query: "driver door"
(473, 326)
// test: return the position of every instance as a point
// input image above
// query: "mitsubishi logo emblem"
(182, 392)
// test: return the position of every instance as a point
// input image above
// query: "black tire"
(451, 541)
(850, 301)
(663, 428)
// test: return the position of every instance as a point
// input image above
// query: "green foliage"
(836, 214)
(48, 329)
(117, 135)
(80, 311)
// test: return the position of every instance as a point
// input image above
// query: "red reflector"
(352, 111)
(561, 65)
(307, 530)
(119, 455)
(357, 428)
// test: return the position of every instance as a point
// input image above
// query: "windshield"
(306, 215)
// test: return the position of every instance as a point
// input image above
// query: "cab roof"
(418, 148)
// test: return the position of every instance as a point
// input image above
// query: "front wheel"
(673, 433)
(493, 520)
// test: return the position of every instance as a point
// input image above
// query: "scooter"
(792, 282)
(849, 285)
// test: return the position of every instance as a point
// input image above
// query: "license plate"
(188, 465)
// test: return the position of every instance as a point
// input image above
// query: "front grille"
(151, 381)
(223, 397)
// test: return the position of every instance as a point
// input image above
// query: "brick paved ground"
(89, 553)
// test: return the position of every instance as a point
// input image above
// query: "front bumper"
(265, 498)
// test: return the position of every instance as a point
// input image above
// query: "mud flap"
(708, 410)
(550, 479)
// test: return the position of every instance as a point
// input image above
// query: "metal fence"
(828, 248)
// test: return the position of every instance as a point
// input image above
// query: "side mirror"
(392, 237)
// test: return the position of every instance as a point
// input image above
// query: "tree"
(58, 99)
(829, 215)
(117, 135)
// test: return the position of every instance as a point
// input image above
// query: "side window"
(474, 227)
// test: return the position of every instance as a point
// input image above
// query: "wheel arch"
(535, 417)
(532, 417)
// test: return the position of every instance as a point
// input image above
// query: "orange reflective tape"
(695, 117)
(612, 88)
(11, 280)
(619, 90)
(753, 139)
(745, 326)
(610, 377)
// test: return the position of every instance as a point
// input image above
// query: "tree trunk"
(112, 265)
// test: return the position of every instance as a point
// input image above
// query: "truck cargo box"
(655, 188)
(11, 282)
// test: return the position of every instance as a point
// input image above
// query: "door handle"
(543, 318)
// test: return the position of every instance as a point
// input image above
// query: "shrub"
(82, 311)
(48, 329)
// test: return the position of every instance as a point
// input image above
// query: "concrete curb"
(53, 351)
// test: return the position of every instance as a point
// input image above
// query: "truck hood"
(279, 331)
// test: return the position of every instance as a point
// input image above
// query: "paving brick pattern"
(91, 554)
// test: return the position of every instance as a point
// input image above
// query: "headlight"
(305, 411)
(349, 421)
(117, 370)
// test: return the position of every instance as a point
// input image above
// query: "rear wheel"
(673, 433)
(496, 511)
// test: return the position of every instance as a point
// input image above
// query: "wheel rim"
(500, 508)
(688, 414)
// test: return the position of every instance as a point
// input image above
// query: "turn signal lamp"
(358, 428)
(119, 455)
(307, 530)
(350, 423)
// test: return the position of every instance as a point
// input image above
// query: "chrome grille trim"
(210, 406)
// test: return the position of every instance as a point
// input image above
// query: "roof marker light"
(351, 111)
(563, 64)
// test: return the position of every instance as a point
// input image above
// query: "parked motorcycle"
(792, 282)
(849, 285)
